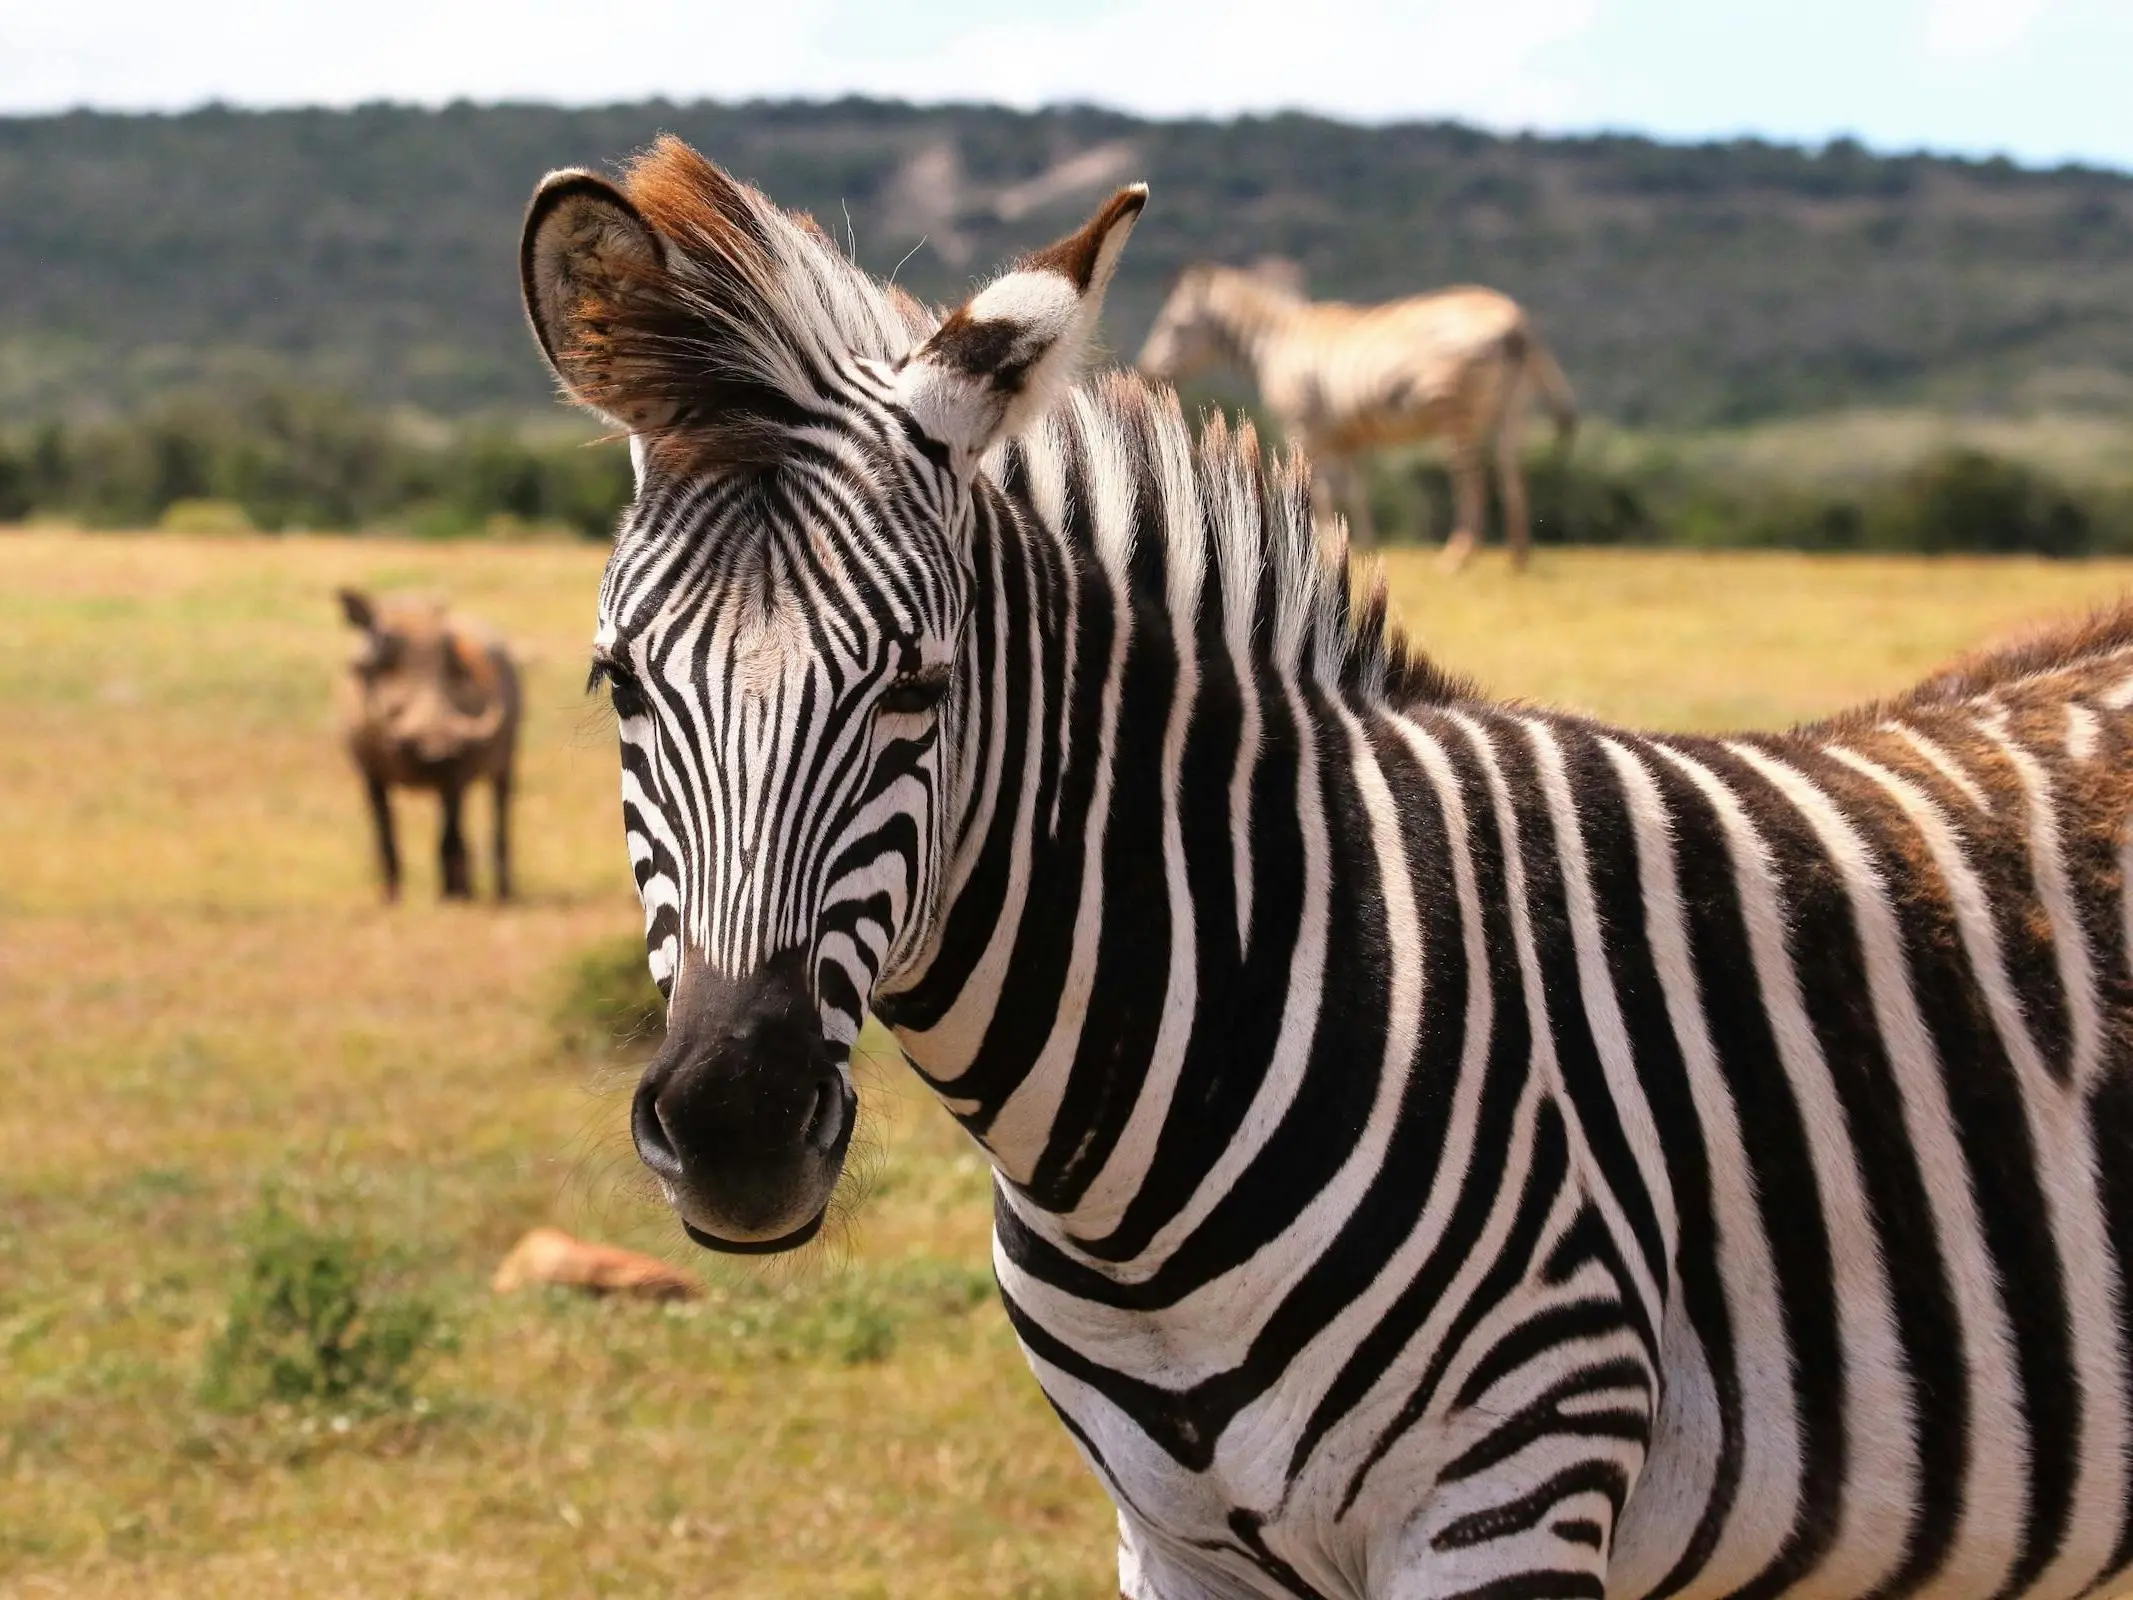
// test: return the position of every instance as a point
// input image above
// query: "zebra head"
(1186, 339)
(1210, 316)
(782, 630)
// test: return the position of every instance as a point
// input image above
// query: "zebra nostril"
(825, 1116)
(654, 1147)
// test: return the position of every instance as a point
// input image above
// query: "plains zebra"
(1343, 380)
(1443, 1148)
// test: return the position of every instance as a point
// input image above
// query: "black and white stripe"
(1445, 1148)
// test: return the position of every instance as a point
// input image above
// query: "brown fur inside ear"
(710, 345)
(586, 253)
(660, 339)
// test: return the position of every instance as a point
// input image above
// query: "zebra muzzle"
(747, 1111)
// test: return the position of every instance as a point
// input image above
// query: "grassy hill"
(371, 251)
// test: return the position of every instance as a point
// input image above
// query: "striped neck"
(1158, 656)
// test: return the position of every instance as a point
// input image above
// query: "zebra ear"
(997, 364)
(587, 256)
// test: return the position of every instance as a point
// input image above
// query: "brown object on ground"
(549, 1255)
(431, 701)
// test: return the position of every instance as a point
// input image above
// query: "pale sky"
(2040, 80)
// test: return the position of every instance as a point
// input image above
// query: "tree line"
(1959, 500)
(276, 461)
(279, 461)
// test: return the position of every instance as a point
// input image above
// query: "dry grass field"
(201, 1001)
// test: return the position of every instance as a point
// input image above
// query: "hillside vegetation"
(1857, 482)
(370, 252)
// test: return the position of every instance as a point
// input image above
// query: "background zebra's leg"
(1511, 487)
(1362, 524)
(453, 866)
(381, 818)
(1327, 474)
(500, 814)
(1467, 505)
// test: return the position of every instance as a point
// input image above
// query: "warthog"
(430, 701)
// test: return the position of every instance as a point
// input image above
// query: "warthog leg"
(381, 816)
(502, 843)
(456, 869)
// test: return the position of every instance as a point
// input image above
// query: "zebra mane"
(734, 337)
(2100, 639)
(2062, 646)
(1228, 517)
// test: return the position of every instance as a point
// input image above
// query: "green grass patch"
(313, 1321)
(854, 1317)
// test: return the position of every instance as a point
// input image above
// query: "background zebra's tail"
(1545, 380)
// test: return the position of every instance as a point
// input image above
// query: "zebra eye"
(912, 694)
(624, 693)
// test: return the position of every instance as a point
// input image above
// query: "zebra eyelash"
(915, 693)
(623, 691)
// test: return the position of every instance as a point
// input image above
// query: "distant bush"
(1966, 501)
(284, 461)
(204, 517)
(310, 1323)
(1956, 502)
(18, 497)
(608, 1006)
(1570, 501)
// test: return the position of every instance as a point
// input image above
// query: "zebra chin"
(746, 1114)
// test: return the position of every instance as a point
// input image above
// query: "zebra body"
(1342, 380)
(1727, 1025)
(1444, 1148)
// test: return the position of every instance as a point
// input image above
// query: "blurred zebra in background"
(1443, 1148)
(1343, 380)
